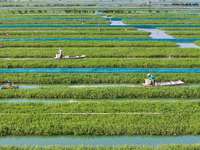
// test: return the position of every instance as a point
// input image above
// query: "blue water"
(99, 70)
(55, 39)
(136, 26)
(71, 100)
(98, 140)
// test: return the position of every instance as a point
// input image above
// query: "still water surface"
(98, 140)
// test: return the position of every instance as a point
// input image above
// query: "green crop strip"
(67, 29)
(52, 16)
(101, 107)
(104, 93)
(54, 22)
(140, 124)
(101, 63)
(50, 78)
(123, 147)
(38, 118)
(160, 22)
(90, 44)
(179, 29)
(197, 43)
(100, 52)
(178, 16)
(85, 36)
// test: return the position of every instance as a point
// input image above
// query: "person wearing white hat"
(151, 77)
(60, 51)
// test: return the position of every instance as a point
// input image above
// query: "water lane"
(100, 70)
(72, 100)
(188, 45)
(159, 34)
(72, 140)
(136, 26)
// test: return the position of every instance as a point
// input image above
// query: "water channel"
(100, 70)
(72, 100)
(102, 85)
(72, 140)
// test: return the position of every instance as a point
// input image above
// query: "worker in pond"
(60, 52)
(151, 77)
(9, 84)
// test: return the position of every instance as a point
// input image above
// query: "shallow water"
(72, 100)
(100, 70)
(98, 140)
(32, 86)
(157, 34)
(188, 45)
(117, 23)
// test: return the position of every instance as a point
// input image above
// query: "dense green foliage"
(54, 22)
(51, 78)
(136, 124)
(74, 33)
(100, 107)
(160, 22)
(61, 29)
(82, 36)
(101, 63)
(197, 43)
(178, 16)
(100, 52)
(104, 92)
(179, 29)
(94, 43)
(123, 147)
(52, 16)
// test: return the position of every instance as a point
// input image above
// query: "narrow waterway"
(98, 140)
(159, 34)
(72, 100)
(102, 85)
(100, 70)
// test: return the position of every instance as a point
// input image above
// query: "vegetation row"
(179, 29)
(101, 107)
(100, 52)
(104, 92)
(90, 44)
(197, 43)
(161, 22)
(49, 15)
(54, 22)
(51, 78)
(101, 63)
(77, 36)
(62, 29)
(76, 32)
(178, 16)
(123, 147)
(135, 124)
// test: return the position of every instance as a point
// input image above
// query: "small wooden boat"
(69, 57)
(170, 83)
(9, 84)
(13, 87)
